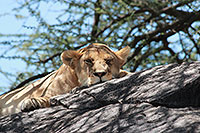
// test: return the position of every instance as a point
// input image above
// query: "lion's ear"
(70, 58)
(123, 54)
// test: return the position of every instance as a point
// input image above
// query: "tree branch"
(176, 13)
(194, 42)
(96, 19)
(146, 55)
(166, 45)
(112, 22)
(50, 58)
(174, 27)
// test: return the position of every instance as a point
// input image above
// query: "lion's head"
(95, 63)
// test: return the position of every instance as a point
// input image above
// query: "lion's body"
(11, 102)
(84, 67)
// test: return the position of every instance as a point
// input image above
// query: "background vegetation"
(158, 31)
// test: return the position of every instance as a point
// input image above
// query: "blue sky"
(10, 25)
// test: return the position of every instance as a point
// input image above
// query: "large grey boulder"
(161, 99)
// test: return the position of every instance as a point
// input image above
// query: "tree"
(147, 26)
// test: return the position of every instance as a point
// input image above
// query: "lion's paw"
(29, 105)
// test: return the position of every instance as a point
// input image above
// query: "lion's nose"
(99, 74)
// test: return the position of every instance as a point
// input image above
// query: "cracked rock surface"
(161, 99)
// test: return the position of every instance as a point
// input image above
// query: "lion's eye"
(88, 61)
(108, 61)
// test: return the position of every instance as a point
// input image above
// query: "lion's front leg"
(35, 103)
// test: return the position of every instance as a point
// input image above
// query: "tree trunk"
(161, 99)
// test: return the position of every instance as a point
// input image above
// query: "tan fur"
(87, 66)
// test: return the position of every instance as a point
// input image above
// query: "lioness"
(92, 64)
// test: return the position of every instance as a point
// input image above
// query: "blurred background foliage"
(158, 31)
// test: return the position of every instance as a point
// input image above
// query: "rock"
(161, 99)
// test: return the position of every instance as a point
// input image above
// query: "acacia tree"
(158, 31)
